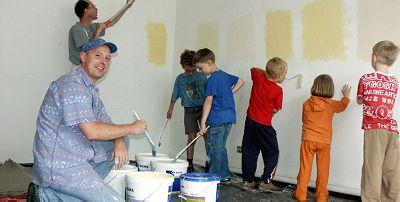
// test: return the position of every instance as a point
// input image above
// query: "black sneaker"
(191, 169)
(207, 168)
(226, 181)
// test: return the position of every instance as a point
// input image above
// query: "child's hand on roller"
(346, 90)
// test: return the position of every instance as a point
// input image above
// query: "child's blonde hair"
(323, 86)
(275, 68)
(386, 52)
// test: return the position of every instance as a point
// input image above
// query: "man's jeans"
(216, 149)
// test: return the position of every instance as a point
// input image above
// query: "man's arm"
(171, 108)
(119, 14)
(105, 131)
(206, 112)
(238, 85)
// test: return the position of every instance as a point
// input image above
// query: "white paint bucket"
(170, 166)
(116, 178)
(148, 186)
(143, 160)
(199, 187)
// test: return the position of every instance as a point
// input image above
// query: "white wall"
(346, 149)
(34, 52)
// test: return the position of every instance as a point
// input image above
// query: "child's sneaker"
(269, 187)
(249, 186)
(226, 181)
(191, 169)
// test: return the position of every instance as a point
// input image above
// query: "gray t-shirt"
(79, 35)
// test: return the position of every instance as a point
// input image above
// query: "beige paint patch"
(377, 21)
(323, 30)
(157, 43)
(241, 39)
(207, 36)
(278, 39)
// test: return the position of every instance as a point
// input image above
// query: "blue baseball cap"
(95, 43)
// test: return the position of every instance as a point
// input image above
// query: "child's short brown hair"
(275, 67)
(203, 55)
(323, 86)
(386, 52)
(187, 58)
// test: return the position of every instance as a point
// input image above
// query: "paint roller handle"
(128, 4)
(147, 133)
(187, 146)
(163, 131)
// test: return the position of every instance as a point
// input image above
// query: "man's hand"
(203, 129)
(120, 153)
(139, 127)
(169, 114)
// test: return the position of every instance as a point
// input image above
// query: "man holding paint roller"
(85, 30)
(76, 145)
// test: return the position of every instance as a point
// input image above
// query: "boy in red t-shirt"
(259, 135)
(377, 92)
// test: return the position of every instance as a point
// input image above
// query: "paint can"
(143, 160)
(116, 178)
(148, 186)
(173, 167)
(199, 187)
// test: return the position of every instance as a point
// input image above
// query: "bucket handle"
(151, 194)
(112, 179)
(185, 198)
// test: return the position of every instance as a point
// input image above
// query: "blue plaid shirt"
(63, 156)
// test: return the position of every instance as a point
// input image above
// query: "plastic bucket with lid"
(143, 160)
(171, 166)
(148, 186)
(199, 187)
(116, 178)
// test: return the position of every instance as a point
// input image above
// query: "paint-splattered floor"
(234, 193)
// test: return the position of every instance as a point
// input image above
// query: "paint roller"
(153, 146)
(187, 146)
(108, 22)
(299, 80)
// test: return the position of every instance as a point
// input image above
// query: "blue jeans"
(106, 193)
(216, 149)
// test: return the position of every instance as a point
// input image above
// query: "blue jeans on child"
(216, 149)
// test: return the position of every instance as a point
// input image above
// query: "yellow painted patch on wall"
(207, 36)
(157, 43)
(377, 21)
(278, 31)
(323, 30)
(241, 39)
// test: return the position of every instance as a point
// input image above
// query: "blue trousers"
(106, 193)
(256, 138)
(216, 149)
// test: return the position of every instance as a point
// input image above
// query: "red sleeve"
(360, 89)
(255, 73)
(278, 100)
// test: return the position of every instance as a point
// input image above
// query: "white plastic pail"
(116, 178)
(143, 160)
(148, 186)
(199, 187)
(170, 166)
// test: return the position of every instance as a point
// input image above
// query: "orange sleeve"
(339, 106)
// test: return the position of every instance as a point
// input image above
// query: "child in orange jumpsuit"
(317, 117)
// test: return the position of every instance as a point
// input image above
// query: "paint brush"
(187, 146)
(162, 133)
(153, 146)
